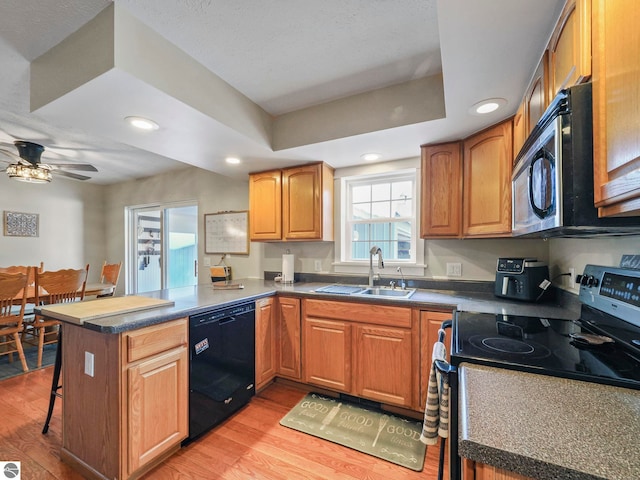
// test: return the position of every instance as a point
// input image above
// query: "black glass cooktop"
(564, 348)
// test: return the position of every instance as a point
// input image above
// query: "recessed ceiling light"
(370, 157)
(142, 123)
(232, 160)
(487, 106)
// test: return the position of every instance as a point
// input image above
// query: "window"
(380, 210)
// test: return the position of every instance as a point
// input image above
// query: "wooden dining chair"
(110, 274)
(56, 286)
(13, 286)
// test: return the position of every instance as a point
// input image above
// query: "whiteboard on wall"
(227, 232)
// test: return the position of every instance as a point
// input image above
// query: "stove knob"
(584, 280)
(579, 278)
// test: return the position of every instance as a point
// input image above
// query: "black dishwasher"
(221, 365)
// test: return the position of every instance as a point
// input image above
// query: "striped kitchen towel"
(436, 413)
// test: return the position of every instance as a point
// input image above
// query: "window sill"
(390, 268)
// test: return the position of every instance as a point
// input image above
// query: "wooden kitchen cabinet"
(430, 323)
(616, 107)
(480, 471)
(137, 396)
(265, 205)
(366, 350)
(536, 99)
(383, 364)
(288, 337)
(292, 204)
(441, 211)
(327, 353)
(266, 357)
(570, 47)
(519, 130)
(487, 166)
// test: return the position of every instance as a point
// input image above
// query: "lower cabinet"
(288, 337)
(430, 323)
(266, 357)
(480, 471)
(370, 351)
(131, 412)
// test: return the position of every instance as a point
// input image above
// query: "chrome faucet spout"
(403, 284)
(375, 250)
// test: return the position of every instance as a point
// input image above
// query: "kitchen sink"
(386, 292)
(352, 290)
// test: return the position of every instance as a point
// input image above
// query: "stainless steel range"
(602, 346)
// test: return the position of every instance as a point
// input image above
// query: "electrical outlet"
(317, 265)
(454, 269)
(572, 277)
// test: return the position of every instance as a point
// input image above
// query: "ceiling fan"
(29, 168)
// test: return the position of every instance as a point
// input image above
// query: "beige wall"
(71, 224)
(211, 192)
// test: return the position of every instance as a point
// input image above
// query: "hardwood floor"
(249, 445)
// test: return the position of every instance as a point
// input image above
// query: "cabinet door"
(265, 205)
(536, 100)
(519, 131)
(382, 359)
(616, 107)
(327, 353)
(302, 202)
(430, 323)
(482, 471)
(157, 406)
(441, 214)
(570, 47)
(289, 337)
(265, 341)
(487, 164)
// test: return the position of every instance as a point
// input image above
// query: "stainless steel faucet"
(375, 250)
(403, 284)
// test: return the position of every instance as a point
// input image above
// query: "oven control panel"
(615, 291)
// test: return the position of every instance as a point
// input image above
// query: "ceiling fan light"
(28, 173)
(142, 123)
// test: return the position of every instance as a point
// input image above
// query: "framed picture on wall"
(18, 224)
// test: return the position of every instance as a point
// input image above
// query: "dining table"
(91, 289)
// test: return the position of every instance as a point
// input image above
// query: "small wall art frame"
(19, 224)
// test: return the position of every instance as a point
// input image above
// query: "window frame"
(369, 174)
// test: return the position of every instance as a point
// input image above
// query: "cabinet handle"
(228, 400)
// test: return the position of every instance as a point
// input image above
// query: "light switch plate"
(88, 363)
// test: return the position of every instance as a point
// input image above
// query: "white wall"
(71, 224)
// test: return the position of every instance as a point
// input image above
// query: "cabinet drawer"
(359, 312)
(156, 339)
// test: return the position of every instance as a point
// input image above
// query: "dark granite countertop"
(201, 298)
(548, 428)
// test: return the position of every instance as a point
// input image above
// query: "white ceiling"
(284, 56)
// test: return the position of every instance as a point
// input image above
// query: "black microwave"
(552, 183)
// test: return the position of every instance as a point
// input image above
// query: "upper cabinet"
(535, 99)
(487, 164)
(466, 186)
(570, 47)
(292, 204)
(616, 107)
(441, 211)
(265, 205)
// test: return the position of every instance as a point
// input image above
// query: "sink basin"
(386, 292)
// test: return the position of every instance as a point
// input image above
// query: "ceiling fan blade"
(85, 167)
(70, 175)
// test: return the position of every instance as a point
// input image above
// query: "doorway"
(163, 247)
